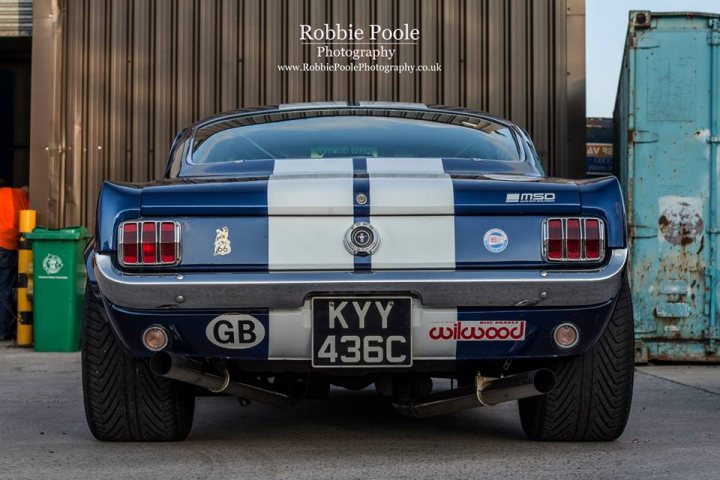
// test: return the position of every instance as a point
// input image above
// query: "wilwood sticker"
(481, 331)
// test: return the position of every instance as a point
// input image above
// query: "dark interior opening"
(15, 110)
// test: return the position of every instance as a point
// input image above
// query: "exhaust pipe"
(484, 393)
(187, 370)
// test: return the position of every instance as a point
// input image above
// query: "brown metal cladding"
(16, 18)
(113, 81)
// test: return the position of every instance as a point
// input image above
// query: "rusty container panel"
(114, 80)
(666, 119)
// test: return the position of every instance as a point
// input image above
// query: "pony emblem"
(222, 242)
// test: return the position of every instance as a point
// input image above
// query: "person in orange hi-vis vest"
(12, 200)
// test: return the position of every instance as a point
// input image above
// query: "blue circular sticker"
(495, 240)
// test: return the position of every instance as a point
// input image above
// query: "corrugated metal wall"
(15, 18)
(124, 76)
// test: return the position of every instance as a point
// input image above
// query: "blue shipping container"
(667, 116)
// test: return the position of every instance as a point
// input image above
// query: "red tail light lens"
(167, 242)
(592, 239)
(149, 243)
(555, 239)
(130, 243)
(574, 239)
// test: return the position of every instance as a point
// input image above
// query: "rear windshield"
(354, 133)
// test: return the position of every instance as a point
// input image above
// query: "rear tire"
(124, 401)
(591, 400)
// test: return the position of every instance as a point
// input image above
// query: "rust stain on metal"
(680, 225)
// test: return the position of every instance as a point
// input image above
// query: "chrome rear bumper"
(479, 288)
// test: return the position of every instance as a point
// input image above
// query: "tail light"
(554, 239)
(573, 239)
(149, 243)
(593, 238)
(129, 243)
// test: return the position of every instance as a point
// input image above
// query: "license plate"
(362, 332)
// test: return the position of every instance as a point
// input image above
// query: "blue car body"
(435, 219)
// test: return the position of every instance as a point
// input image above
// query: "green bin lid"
(70, 233)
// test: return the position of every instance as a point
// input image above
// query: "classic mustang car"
(293, 248)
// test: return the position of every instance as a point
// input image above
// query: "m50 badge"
(529, 197)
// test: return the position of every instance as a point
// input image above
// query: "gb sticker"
(235, 331)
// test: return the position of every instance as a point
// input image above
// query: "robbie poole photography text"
(329, 38)
(360, 67)
(326, 51)
(352, 34)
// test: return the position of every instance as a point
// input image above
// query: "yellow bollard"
(25, 259)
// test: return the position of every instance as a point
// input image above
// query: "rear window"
(354, 133)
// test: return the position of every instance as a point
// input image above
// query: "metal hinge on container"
(642, 136)
(713, 139)
(713, 37)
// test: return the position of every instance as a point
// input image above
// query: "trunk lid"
(298, 216)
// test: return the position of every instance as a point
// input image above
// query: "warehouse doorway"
(15, 54)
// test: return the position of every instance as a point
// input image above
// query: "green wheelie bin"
(58, 287)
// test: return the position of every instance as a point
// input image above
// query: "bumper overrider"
(456, 315)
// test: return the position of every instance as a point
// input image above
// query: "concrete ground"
(674, 432)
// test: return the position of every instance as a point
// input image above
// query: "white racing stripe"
(412, 207)
(414, 242)
(412, 214)
(308, 243)
(311, 187)
(289, 335)
(310, 207)
(405, 165)
(427, 190)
